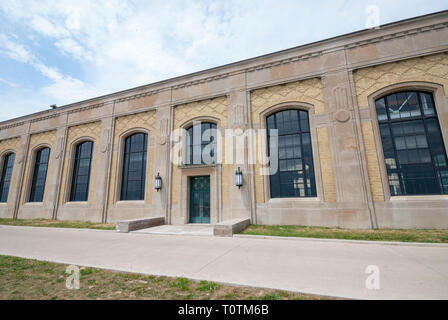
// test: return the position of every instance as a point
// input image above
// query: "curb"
(7, 226)
(371, 242)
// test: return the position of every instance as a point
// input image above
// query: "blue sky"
(66, 51)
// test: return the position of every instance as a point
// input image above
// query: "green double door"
(200, 199)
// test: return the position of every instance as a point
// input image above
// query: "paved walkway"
(180, 230)
(315, 267)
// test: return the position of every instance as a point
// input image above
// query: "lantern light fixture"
(239, 178)
(158, 182)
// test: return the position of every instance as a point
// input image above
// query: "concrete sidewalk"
(323, 268)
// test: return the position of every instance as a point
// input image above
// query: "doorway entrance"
(200, 199)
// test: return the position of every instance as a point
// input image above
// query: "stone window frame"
(441, 106)
(70, 170)
(303, 106)
(119, 174)
(30, 173)
(212, 170)
(2, 160)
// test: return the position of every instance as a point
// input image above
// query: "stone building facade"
(338, 82)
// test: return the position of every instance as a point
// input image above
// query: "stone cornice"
(51, 116)
(12, 125)
(204, 80)
(396, 35)
(138, 96)
(91, 107)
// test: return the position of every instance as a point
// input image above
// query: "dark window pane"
(134, 167)
(414, 152)
(295, 174)
(427, 104)
(81, 172)
(39, 175)
(201, 144)
(8, 164)
(381, 109)
(403, 105)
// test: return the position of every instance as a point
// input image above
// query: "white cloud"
(45, 27)
(119, 45)
(61, 87)
(9, 83)
(15, 51)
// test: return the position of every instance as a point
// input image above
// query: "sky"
(60, 52)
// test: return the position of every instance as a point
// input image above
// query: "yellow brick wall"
(308, 91)
(373, 167)
(145, 120)
(326, 166)
(216, 108)
(10, 144)
(91, 131)
(433, 68)
(48, 138)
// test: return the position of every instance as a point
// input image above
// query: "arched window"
(201, 144)
(40, 175)
(81, 172)
(134, 167)
(295, 174)
(413, 148)
(8, 164)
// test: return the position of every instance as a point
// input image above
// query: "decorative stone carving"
(342, 116)
(237, 117)
(161, 140)
(163, 132)
(21, 155)
(59, 147)
(341, 100)
(105, 141)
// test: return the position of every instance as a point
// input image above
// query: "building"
(362, 125)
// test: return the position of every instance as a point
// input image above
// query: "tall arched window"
(8, 164)
(81, 172)
(40, 175)
(414, 152)
(201, 144)
(295, 174)
(134, 167)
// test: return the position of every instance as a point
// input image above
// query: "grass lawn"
(38, 280)
(57, 224)
(409, 235)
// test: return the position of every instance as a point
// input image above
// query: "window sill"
(33, 204)
(77, 203)
(419, 198)
(198, 166)
(279, 200)
(129, 202)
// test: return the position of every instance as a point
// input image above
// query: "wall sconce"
(158, 182)
(239, 178)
